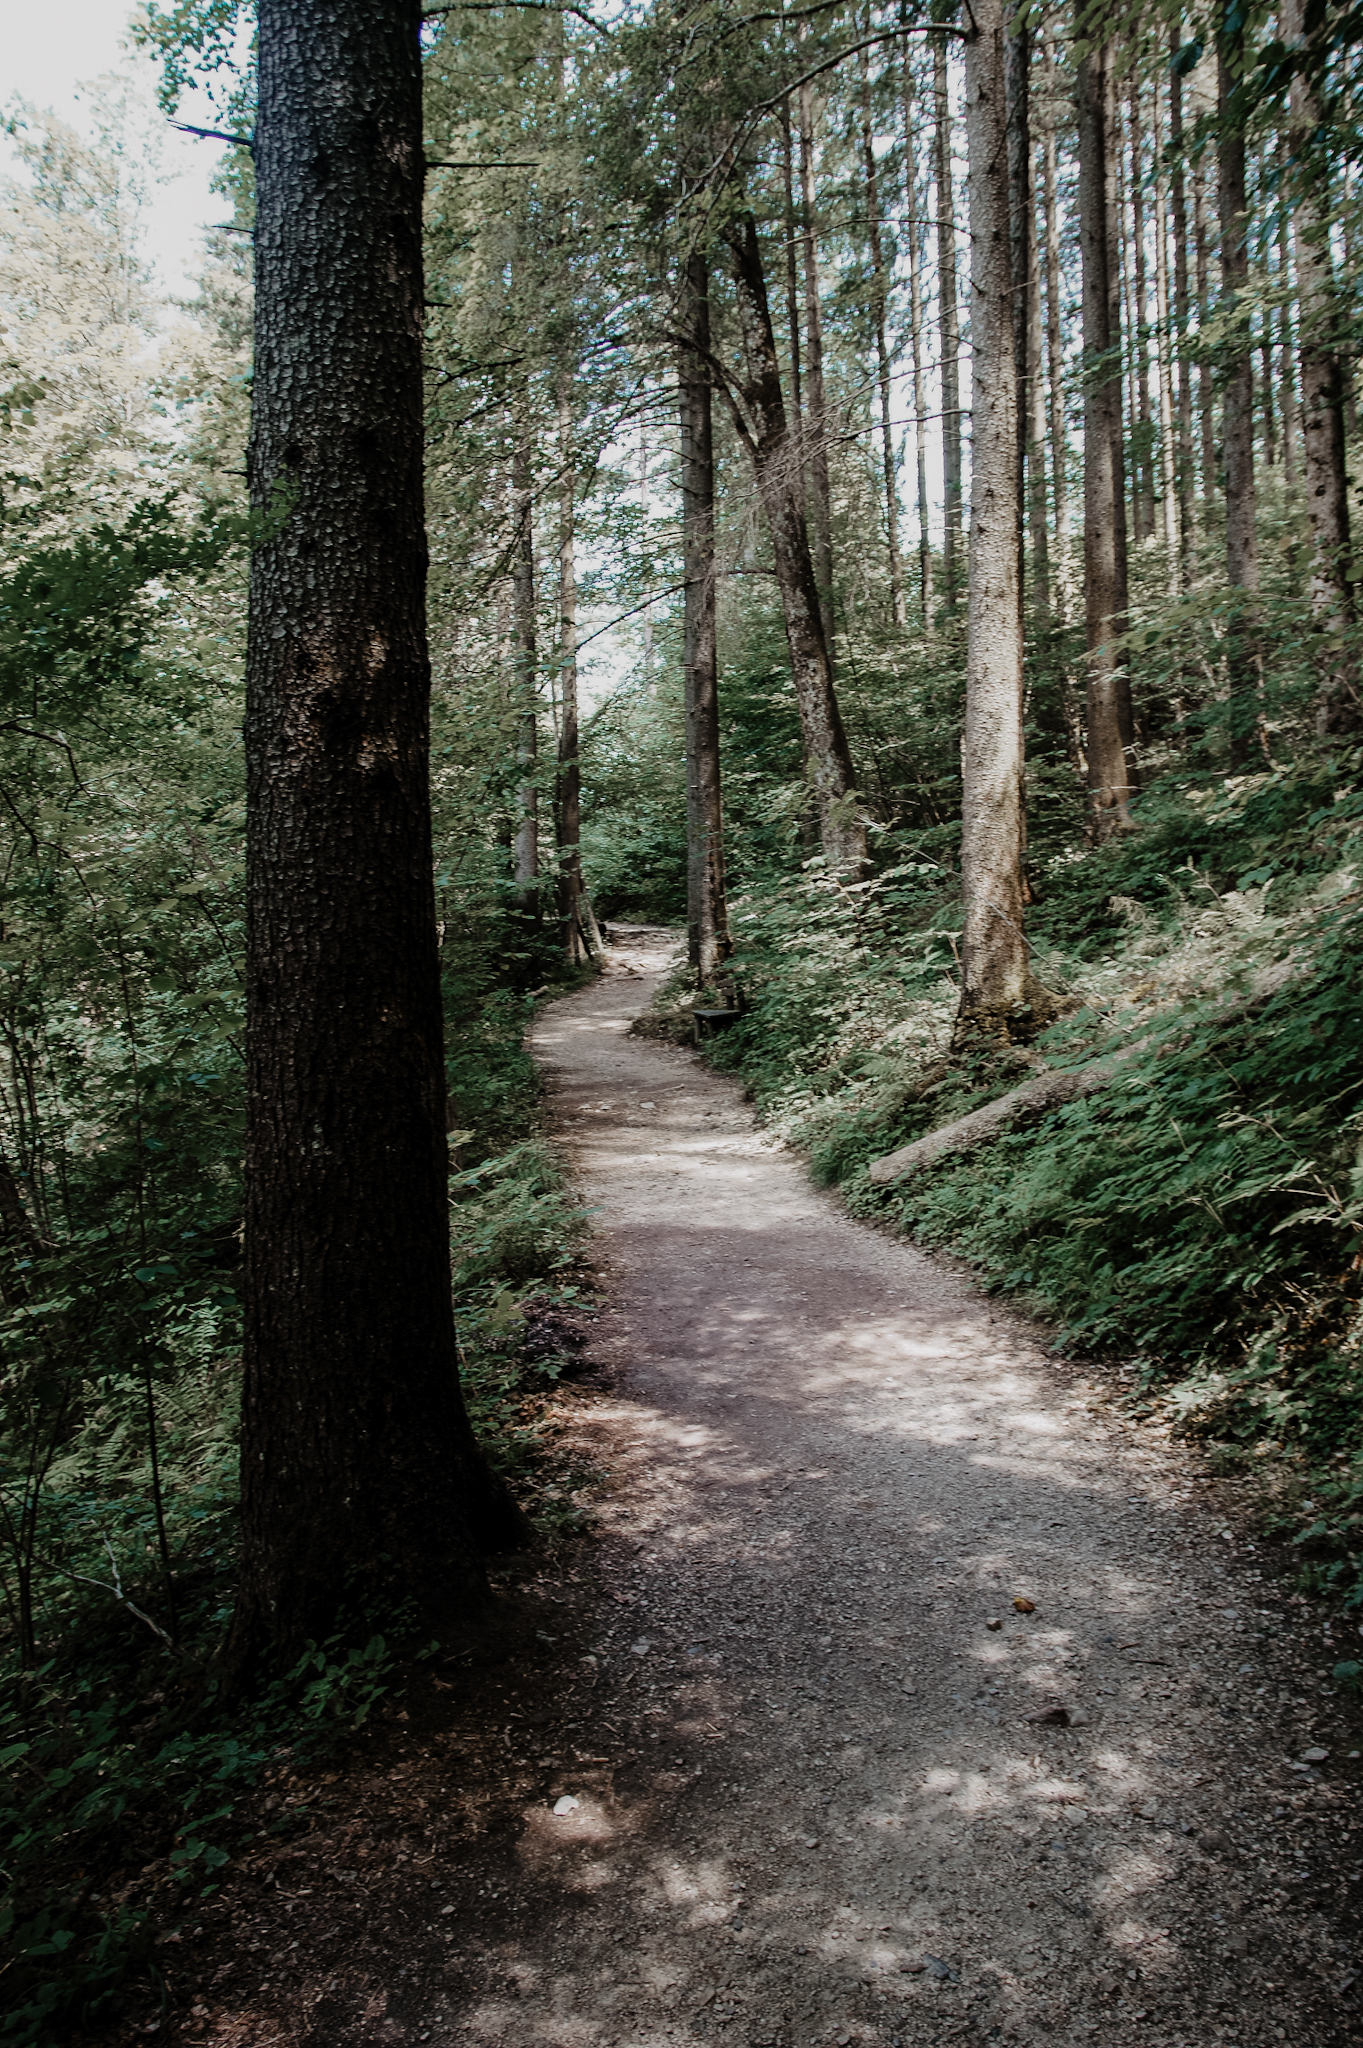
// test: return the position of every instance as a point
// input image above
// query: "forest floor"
(909, 1692)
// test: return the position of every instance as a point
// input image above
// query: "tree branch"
(216, 135)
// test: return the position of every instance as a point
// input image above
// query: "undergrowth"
(121, 1771)
(1201, 1215)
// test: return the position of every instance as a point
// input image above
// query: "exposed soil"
(908, 1694)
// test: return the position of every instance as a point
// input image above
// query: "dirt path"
(858, 1813)
(777, 1761)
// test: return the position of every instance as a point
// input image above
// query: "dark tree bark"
(1237, 414)
(950, 334)
(1187, 481)
(1286, 340)
(879, 297)
(759, 413)
(362, 1485)
(792, 278)
(814, 440)
(1324, 472)
(996, 987)
(1113, 779)
(707, 919)
(1169, 503)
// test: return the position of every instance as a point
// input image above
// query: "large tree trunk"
(1237, 416)
(814, 443)
(950, 334)
(879, 296)
(1113, 780)
(915, 227)
(362, 1487)
(995, 984)
(1017, 55)
(706, 910)
(1322, 414)
(760, 417)
(525, 856)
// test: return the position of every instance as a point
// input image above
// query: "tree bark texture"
(706, 913)
(1017, 57)
(814, 441)
(1163, 360)
(1286, 341)
(1113, 780)
(1206, 376)
(760, 417)
(879, 297)
(1324, 472)
(362, 1486)
(949, 318)
(995, 982)
(1237, 413)
(1140, 332)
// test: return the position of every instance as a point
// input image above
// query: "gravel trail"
(875, 1800)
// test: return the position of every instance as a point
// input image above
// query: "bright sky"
(44, 58)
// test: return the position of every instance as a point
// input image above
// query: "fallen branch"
(1038, 1094)
(1048, 1090)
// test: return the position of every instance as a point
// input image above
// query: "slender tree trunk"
(950, 333)
(1113, 778)
(1206, 378)
(1018, 142)
(1124, 324)
(916, 227)
(1187, 490)
(1141, 332)
(1324, 472)
(1055, 358)
(879, 297)
(363, 1490)
(1286, 348)
(1237, 417)
(525, 856)
(706, 909)
(995, 984)
(815, 438)
(569, 809)
(792, 283)
(759, 413)
(1169, 502)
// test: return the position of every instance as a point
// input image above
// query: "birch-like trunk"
(706, 908)
(1206, 375)
(1113, 779)
(995, 983)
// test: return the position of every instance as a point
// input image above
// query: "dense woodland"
(888, 490)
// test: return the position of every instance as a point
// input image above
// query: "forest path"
(855, 1812)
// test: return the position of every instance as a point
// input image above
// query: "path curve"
(875, 1801)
